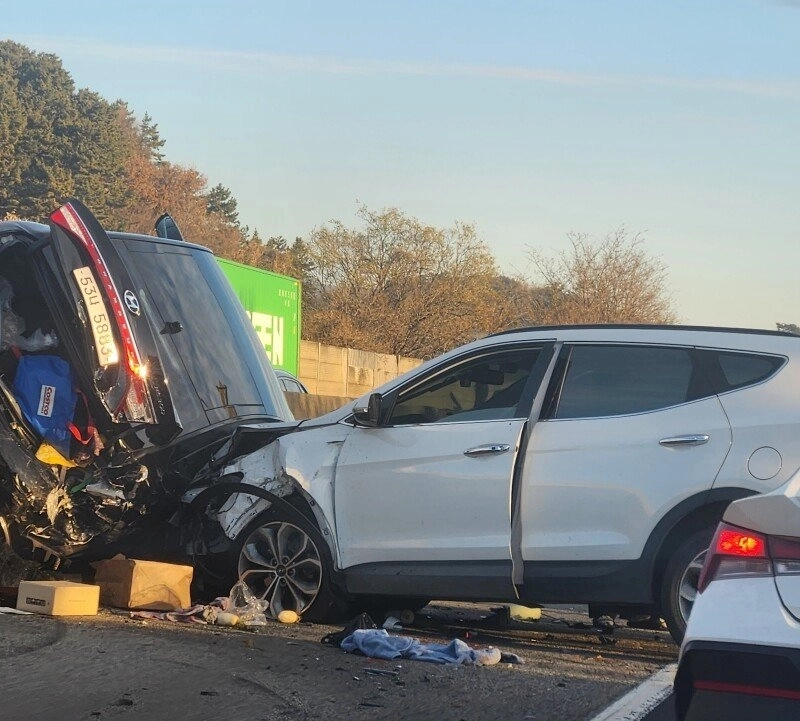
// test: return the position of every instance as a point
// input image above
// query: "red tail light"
(735, 552)
(735, 542)
(136, 405)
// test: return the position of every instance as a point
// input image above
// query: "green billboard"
(273, 303)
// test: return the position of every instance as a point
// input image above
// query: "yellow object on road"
(524, 613)
(224, 618)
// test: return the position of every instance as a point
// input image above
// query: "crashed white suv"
(581, 464)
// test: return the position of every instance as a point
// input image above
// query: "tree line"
(390, 284)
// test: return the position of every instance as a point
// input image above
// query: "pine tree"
(220, 200)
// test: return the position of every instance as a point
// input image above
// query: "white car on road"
(740, 657)
(583, 464)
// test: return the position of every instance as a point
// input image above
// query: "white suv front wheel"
(285, 561)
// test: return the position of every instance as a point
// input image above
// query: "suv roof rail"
(647, 326)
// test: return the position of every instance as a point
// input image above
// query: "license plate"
(99, 319)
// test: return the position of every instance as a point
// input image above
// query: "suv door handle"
(695, 439)
(490, 449)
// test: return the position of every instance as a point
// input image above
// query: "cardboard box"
(58, 598)
(130, 583)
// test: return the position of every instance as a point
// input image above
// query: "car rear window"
(744, 369)
(206, 344)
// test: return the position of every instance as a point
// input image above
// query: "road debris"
(392, 623)
(380, 672)
(288, 616)
(240, 608)
(379, 643)
(143, 585)
(363, 620)
(524, 613)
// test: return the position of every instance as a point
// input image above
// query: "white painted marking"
(640, 701)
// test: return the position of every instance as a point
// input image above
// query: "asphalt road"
(110, 666)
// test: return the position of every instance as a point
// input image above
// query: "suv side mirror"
(371, 415)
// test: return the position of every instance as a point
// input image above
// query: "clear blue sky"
(679, 119)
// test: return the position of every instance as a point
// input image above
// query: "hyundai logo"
(131, 301)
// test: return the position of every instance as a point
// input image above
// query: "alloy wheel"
(281, 565)
(687, 588)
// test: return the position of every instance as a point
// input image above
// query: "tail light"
(737, 552)
(136, 405)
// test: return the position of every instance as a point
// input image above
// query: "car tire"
(679, 582)
(284, 560)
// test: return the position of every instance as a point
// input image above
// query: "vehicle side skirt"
(452, 580)
(625, 582)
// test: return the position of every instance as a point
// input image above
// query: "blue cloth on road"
(377, 643)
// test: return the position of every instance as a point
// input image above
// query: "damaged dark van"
(126, 361)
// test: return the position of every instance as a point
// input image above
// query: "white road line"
(639, 702)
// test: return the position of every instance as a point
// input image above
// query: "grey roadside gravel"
(111, 666)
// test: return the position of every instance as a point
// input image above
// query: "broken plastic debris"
(244, 603)
(103, 489)
(392, 623)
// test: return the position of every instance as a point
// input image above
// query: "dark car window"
(178, 289)
(290, 386)
(619, 379)
(743, 369)
(485, 388)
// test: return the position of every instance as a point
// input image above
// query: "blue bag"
(44, 390)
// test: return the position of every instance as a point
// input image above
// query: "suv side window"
(617, 380)
(486, 388)
(744, 369)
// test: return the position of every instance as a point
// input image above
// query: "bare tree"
(396, 285)
(611, 281)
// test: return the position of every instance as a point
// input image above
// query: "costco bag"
(44, 390)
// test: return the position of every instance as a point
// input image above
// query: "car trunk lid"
(119, 351)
